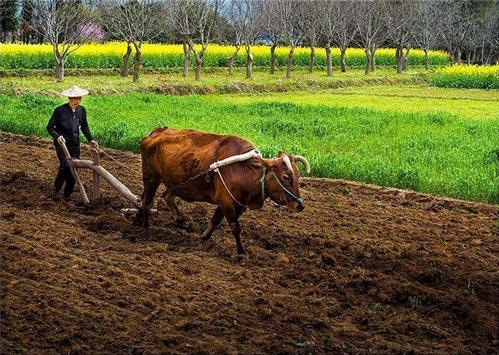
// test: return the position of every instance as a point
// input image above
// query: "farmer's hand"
(61, 140)
(94, 144)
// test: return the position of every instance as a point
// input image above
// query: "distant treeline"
(466, 29)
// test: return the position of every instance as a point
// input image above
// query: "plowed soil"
(361, 269)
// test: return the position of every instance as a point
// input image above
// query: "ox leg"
(150, 187)
(215, 221)
(172, 205)
(232, 215)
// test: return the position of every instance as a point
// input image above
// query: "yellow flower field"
(108, 55)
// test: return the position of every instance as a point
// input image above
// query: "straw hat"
(74, 91)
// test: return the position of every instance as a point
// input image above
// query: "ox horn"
(288, 163)
(304, 161)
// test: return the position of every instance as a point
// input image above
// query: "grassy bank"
(432, 149)
(213, 81)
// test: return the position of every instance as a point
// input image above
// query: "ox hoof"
(205, 237)
(179, 222)
(138, 219)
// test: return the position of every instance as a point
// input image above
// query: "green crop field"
(436, 140)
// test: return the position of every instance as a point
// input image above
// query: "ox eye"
(288, 179)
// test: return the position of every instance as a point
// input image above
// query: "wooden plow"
(98, 172)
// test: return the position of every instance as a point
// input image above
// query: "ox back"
(172, 156)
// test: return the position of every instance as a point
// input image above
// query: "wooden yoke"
(72, 167)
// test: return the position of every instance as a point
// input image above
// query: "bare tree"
(327, 24)
(425, 33)
(195, 21)
(245, 19)
(291, 15)
(26, 20)
(311, 17)
(402, 30)
(135, 22)
(66, 25)
(456, 20)
(271, 27)
(344, 29)
(336, 28)
(8, 19)
(235, 35)
(487, 37)
(373, 24)
(185, 26)
(483, 29)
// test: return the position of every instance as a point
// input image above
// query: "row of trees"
(467, 29)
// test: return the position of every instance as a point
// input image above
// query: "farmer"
(64, 127)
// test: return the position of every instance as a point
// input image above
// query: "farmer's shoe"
(66, 197)
(56, 196)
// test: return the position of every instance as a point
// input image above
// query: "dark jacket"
(67, 123)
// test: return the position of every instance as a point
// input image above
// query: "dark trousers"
(64, 174)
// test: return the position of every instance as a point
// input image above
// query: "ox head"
(282, 180)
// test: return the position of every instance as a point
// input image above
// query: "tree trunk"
(368, 60)
(482, 52)
(329, 61)
(426, 59)
(468, 57)
(405, 59)
(249, 62)
(199, 56)
(187, 59)
(59, 64)
(290, 62)
(343, 60)
(232, 59)
(59, 71)
(373, 59)
(312, 59)
(126, 60)
(137, 62)
(272, 59)
(458, 55)
(473, 56)
(199, 67)
(398, 58)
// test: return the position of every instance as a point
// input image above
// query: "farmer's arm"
(84, 126)
(86, 130)
(51, 125)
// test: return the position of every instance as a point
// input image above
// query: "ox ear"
(280, 154)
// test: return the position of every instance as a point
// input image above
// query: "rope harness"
(262, 180)
(297, 199)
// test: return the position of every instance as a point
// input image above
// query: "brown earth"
(362, 269)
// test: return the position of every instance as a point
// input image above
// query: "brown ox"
(172, 156)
